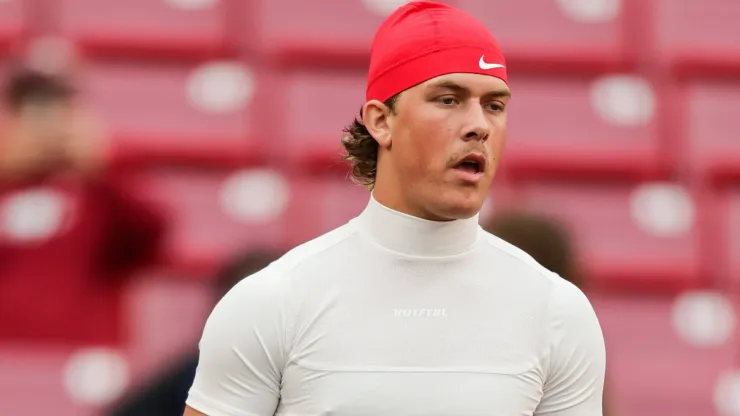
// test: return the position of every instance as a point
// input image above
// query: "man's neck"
(415, 236)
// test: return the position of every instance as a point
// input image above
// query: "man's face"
(44, 126)
(46, 123)
(447, 137)
(39, 136)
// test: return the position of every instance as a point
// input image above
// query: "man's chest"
(413, 355)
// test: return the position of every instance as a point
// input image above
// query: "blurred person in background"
(70, 232)
(543, 238)
(165, 394)
(549, 243)
(410, 308)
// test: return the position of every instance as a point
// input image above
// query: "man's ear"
(375, 117)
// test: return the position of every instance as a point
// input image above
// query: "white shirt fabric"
(391, 314)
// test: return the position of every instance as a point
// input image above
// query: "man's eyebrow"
(453, 86)
(501, 93)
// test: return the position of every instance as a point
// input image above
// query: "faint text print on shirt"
(420, 313)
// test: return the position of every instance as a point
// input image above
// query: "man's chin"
(461, 210)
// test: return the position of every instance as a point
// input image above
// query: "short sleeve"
(576, 364)
(242, 350)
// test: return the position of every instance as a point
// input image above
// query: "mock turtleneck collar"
(414, 236)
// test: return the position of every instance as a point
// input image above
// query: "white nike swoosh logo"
(485, 65)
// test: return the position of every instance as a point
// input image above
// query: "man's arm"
(576, 364)
(242, 351)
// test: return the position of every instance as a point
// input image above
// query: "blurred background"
(153, 152)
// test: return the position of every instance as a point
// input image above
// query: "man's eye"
(447, 100)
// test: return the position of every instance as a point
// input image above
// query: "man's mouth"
(469, 166)
(473, 163)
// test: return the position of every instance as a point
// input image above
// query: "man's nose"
(477, 127)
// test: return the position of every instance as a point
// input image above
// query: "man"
(410, 308)
(70, 232)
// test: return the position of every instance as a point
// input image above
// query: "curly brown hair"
(361, 149)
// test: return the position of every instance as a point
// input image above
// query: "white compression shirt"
(394, 315)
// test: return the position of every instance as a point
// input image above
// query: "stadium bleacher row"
(624, 123)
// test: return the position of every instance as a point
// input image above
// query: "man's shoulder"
(559, 291)
(513, 255)
(307, 253)
(277, 279)
(527, 268)
(314, 249)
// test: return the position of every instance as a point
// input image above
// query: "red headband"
(422, 40)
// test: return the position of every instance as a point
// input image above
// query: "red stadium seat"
(628, 237)
(322, 204)
(313, 132)
(34, 372)
(550, 36)
(338, 32)
(650, 369)
(151, 28)
(12, 23)
(174, 112)
(730, 229)
(577, 126)
(697, 36)
(214, 213)
(712, 124)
